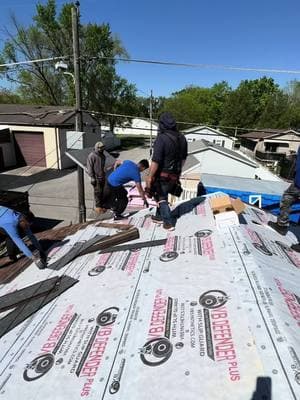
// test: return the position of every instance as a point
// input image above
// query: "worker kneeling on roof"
(14, 224)
(116, 194)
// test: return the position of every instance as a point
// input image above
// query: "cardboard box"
(228, 218)
(226, 210)
(226, 204)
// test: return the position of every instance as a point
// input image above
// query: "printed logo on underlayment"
(258, 242)
(168, 256)
(203, 233)
(291, 256)
(61, 337)
(263, 249)
(156, 351)
(213, 299)
(96, 270)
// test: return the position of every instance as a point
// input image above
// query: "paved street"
(53, 193)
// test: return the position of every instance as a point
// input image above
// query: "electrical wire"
(38, 60)
(160, 62)
(189, 123)
(203, 66)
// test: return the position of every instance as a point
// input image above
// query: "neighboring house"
(209, 158)
(138, 127)
(38, 135)
(212, 135)
(270, 146)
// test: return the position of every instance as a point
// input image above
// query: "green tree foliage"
(198, 104)
(245, 105)
(50, 35)
(7, 97)
(143, 106)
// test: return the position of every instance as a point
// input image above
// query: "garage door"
(30, 148)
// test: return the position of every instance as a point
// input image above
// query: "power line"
(202, 66)
(183, 123)
(162, 62)
(38, 60)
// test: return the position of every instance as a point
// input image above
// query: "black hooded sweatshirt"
(170, 146)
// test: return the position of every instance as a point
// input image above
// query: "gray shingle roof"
(267, 133)
(25, 114)
(204, 145)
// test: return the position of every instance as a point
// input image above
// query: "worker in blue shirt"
(116, 194)
(12, 223)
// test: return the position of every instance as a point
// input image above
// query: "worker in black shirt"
(169, 155)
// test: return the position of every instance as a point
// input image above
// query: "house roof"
(199, 128)
(80, 157)
(207, 300)
(204, 145)
(34, 115)
(190, 162)
(244, 184)
(266, 133)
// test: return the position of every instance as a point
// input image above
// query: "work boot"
(296, 247)
(41, 264)
(156, 219)
(100, 210)
(168, 227)
(282, 230)
(119, 217)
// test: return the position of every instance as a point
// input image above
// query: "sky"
(255, 34)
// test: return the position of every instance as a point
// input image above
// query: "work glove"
(146, 204)
(93, 182)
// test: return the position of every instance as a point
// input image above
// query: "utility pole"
(150, 113)
(78, 107)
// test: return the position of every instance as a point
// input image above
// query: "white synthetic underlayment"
(204, 317)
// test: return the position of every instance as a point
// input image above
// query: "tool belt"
(171, 177)
(176, 189)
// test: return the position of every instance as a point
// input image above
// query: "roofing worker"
(13, 223)
(169, 155)
(290, 196)
(96, 170)
(116, 194)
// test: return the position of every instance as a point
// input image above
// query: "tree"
(245, 105)
(7, 97)
(49, 36)
(197, 104)
(143, 106)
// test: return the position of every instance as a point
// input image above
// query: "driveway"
(52, 193)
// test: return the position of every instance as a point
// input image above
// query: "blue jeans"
(171, 217)
(162, 187)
